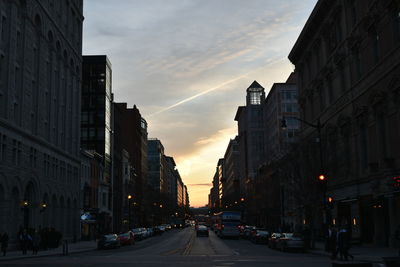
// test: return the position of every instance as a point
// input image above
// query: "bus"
(227, 224)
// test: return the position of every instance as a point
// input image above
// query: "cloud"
(187, 64)
(206, 184)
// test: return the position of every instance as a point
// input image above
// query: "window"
(375, 45)
(3, 29)
(363, 147)
(16, 152)
(396, 23)
(321, 100)
(382, 134)
(255, 98)
(358, 66)
(104, 199)
(353, 13)
(32, 157)
(3, 148)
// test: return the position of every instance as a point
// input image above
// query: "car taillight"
(222, 226)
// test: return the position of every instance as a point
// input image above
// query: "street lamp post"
(25, 210)
(129, 212)
(322, 175)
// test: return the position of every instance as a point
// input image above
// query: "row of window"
(313, 60)
(14, 152)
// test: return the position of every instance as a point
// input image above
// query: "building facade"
(40, 86)
(348, 62)
(251, 136)
(96, 123)
(231, 190)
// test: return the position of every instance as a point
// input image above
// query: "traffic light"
(322, 177)
(330, 202)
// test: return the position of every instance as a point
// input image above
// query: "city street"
(182, 248)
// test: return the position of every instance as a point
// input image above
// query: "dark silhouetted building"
(40, 87)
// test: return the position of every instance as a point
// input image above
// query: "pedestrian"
(344, 244)
(24, 239)
(397, 236)
(4, 243)
(333, 242)
(35, 242)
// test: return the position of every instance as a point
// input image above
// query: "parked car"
(260, 236)
(139, 234)
(202, 230)
(246, 234)
(290, 241)
(126, 239)
(162, 228)
(150, 232)
(108, 241)
(272, 240)
(157, 230)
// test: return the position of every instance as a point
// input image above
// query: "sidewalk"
(82, 246)
(360, 253)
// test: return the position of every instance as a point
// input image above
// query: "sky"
(186, 64)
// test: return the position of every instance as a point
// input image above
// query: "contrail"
(213, 88)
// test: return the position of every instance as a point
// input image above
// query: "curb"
(323, 253)
(4, 259)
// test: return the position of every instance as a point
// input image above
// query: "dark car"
(139, 234)
(290, 241)
(157, 231)
(108, 241)
(202, 230)
(260, 236)
(126, 239)
(273, 239)
(247, 231)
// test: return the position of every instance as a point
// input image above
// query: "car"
(108, 241)
(126, 239)
(157, 231)
(150, 232)
(162, 228)
(202, 230)
(290, 241)
(259, 236)
(139, 234)
(272, 240)
(247, 230)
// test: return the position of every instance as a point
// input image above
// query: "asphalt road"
(181, 248)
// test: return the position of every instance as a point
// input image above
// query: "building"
(347, 58)
(273, 186)
(92, 173)
(156, 166)
(40, 86)
(96, 123)
(231, 188)
(132, 136)
(250, 136)
(281, 104)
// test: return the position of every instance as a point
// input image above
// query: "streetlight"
(321, 176)
(25, 209)
(129, 211)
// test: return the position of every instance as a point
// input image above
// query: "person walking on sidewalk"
(24, 239)
(344, 244)
(397, 236)
(4, 243)
(35, 242)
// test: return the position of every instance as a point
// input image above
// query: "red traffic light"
(321, 177)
